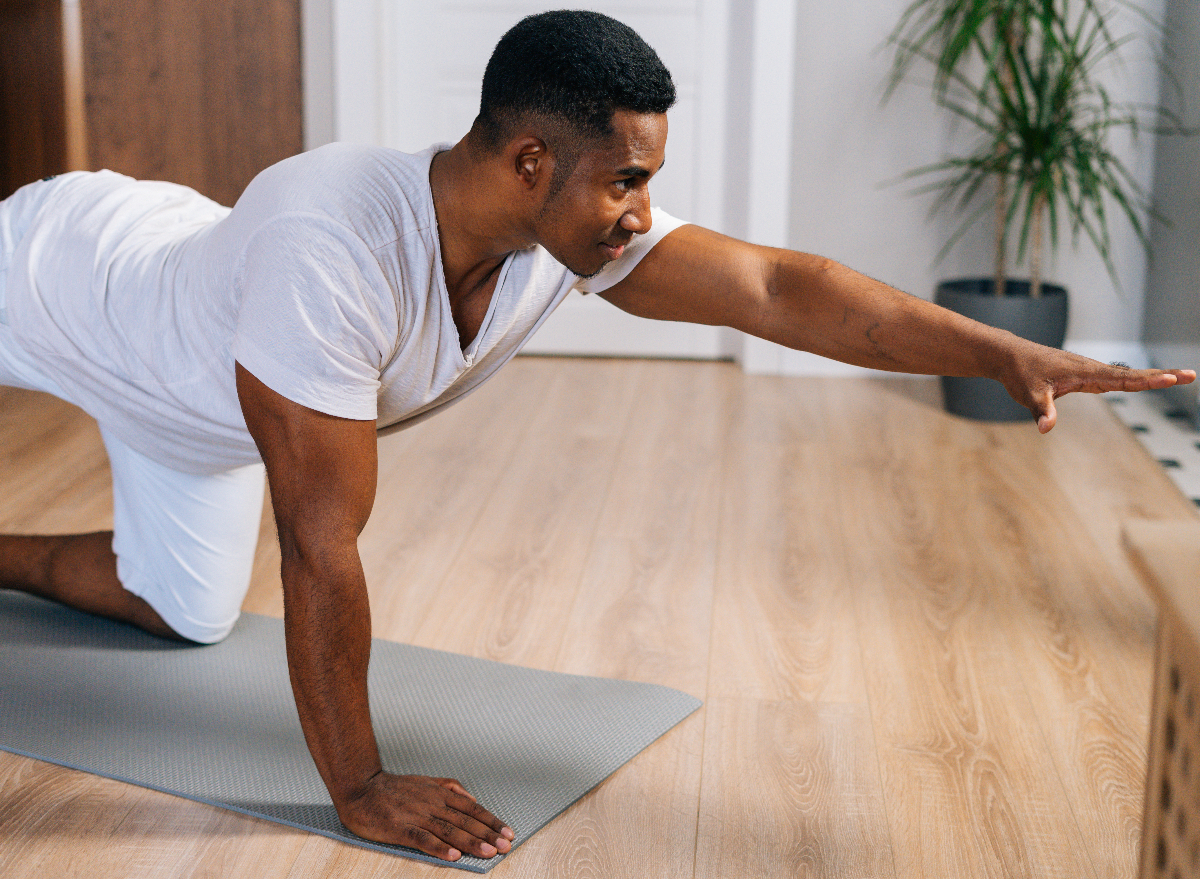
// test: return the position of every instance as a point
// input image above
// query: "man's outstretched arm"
(813, 304)
(322, 473)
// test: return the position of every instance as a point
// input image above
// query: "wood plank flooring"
(922, 650)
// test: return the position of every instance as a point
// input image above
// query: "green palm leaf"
(1022, 73)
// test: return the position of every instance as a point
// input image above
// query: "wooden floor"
(921, 649)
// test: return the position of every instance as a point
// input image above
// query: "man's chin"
(586, 276)
(586, 272)
(580, 269)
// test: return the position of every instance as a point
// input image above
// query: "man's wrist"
(349, 789)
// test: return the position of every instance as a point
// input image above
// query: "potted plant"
(1022, 73)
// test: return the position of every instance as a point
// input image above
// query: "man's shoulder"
(377, 193)
(348, 159)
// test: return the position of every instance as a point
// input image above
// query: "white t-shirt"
(325, 281)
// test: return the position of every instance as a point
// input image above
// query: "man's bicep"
(695, 275)
(321, 469)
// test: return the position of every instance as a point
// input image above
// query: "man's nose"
(637, 218)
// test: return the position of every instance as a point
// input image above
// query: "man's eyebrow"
(636, 171)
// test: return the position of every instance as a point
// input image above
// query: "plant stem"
(1035, 252)
(1001, 279)
(1008, 36)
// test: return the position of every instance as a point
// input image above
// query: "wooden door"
(203, 94)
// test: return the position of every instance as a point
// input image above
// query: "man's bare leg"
(78, 570)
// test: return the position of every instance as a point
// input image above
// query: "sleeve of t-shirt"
(617, 270)
(318, 320)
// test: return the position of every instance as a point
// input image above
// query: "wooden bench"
(1168, 555)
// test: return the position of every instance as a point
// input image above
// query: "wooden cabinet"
(201, 93)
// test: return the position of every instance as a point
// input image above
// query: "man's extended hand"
(1039, 376)
(435, 815)
(810, 303)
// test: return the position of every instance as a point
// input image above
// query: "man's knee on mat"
(179, 607)
(141, 614)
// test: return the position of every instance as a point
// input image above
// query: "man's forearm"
(818, 305)
(328, 628)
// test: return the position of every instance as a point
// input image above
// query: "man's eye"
(625, 185)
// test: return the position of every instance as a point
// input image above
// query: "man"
(356, 288)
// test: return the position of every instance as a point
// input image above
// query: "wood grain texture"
(958, 742)
(1167, 555)
(33, 91)
(1084, 656)
(922, 649)
(203, 94)
(518, 584)
(643, 612)
(52, 467)
(970, 734)
(783, 623)
(814, 808)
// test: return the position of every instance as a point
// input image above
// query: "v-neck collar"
(467, 354)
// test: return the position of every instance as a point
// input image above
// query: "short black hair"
(573, 67)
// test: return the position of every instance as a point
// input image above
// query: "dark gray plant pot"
(1042, 320)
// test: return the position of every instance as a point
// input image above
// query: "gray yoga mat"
(217, 724)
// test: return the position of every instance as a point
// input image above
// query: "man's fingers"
(456, 825)
(475, 830)
(1120, 378)
(1172, 377)
(1152, 379)
(462, 840)
(1139, 380)
(1046, 374)
(483, 817)
(1047, 414)
(454, 785)
(474, 810)
(424, 841)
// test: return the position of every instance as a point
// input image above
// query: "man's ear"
(531, 160)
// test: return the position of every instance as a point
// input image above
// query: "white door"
(407, 74)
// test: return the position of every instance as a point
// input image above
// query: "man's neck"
(477, 231)
(477, 227)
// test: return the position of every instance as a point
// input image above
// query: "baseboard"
(607, 332)
(1132, 354)
(590, 327)
(759, 357)
(764, 358)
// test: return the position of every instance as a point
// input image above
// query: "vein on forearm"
(875, 348)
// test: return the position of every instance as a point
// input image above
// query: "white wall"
(316, 47)
(407, 75)
(1172, 326)
(846, 146)
(1172, 320)
(779, 136)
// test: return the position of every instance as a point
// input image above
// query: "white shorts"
(184, 542)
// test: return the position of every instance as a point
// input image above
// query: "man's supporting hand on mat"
(322, 473)
(435, 815)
